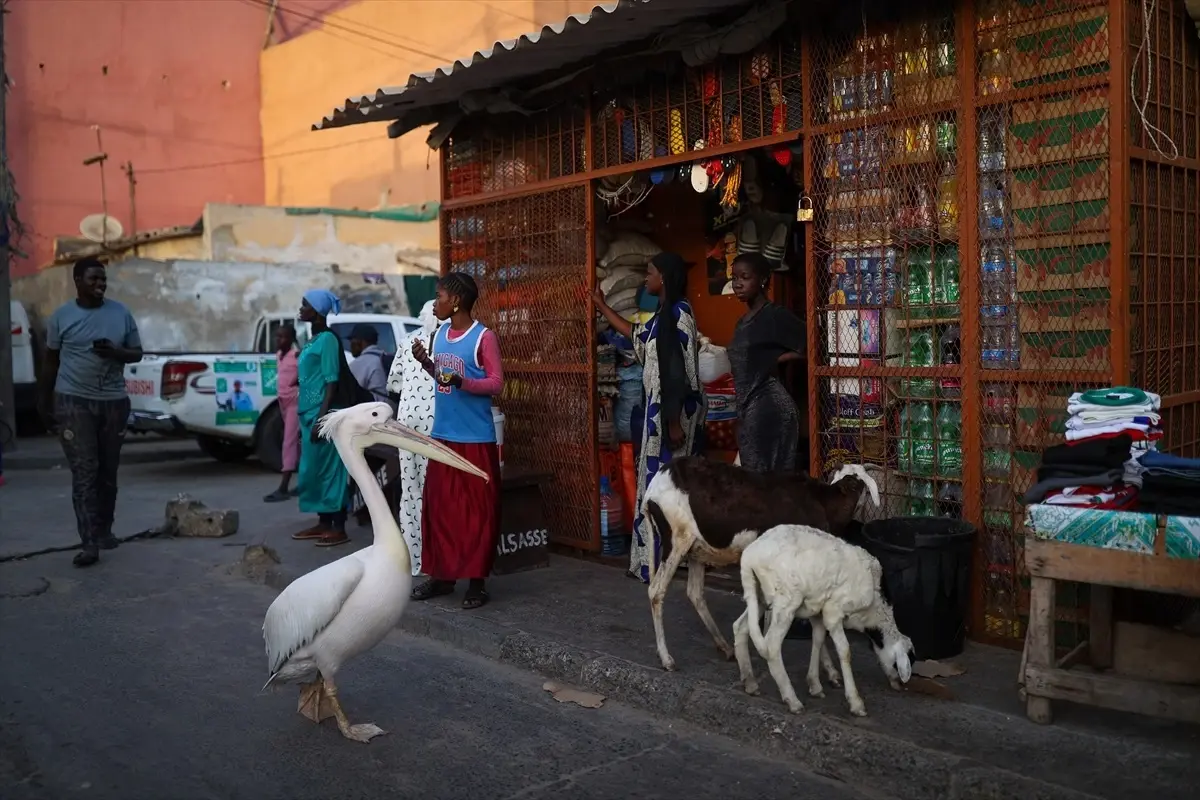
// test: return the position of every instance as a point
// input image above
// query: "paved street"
(140, 679)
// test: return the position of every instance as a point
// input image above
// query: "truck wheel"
(226, 451)
(268, 439)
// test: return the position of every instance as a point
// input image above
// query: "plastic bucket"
(498, 421)
(927, 578)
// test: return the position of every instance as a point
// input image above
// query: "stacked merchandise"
(1170, 484)
(622, 272)
(1109, 434)
(607, 388)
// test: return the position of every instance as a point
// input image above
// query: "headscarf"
(671, 368)
(323, 301)
(429, 322)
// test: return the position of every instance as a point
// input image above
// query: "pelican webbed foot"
(363, 732)
(315, 702)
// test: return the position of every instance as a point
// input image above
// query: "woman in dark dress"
(766, 337)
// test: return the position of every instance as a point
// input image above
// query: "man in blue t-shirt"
(82, 395)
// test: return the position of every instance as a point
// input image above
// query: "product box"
(1059, 47)
(1059, 183)
(1067, 350)
(1084, 216)
(1063, 262)
(1066, 310)
(1068, 128)
(1042, 415)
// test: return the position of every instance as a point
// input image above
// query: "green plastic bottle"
(920, 353)
(918, 287)
(946, 296)
(924, 451)
(921, 500)
(949, 441)
(904, 440)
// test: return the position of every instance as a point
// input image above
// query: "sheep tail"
(750, 594)
(861, 472)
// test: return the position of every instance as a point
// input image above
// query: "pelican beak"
(402, 437)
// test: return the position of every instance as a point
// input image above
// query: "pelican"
(332, 614)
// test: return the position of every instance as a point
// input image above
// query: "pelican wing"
(307, 606)
(403, 437)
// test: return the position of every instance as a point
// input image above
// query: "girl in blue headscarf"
(324, 482)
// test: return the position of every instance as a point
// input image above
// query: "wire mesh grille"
(1164, 232)
(754, 96)
(509, 153)
(530, 256)
(887, 165)
(1044, 267)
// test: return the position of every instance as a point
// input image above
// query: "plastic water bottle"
(612, 526)
(949, 441)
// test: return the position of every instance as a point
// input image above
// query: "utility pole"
(7, 412)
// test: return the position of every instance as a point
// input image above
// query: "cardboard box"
(1085, 216)
(1065, 310)
(1061, 263)
(1041, 416)
(1061, 46)
(1058, 184)
(1073, 127)
(1183, 537)
(1067, 350)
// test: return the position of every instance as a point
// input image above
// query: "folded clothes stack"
(1170, 484)
(1087, 473)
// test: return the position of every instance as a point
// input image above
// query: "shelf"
(903, 324)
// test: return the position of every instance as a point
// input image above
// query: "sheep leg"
(816, 655)
(781, 619)
(741, 649)
(838, 634)
(695, 593)
(658, 592)
(831, 671)
(363, 732)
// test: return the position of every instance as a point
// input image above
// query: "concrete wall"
(257, 233)
(303, 79)
(172, 85)
(207, 305)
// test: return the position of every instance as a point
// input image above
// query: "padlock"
(804, 213)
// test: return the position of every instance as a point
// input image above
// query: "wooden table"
(524, 534)
(1146, 666)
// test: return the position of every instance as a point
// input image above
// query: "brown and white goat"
(708, 512)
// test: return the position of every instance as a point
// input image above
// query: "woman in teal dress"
(324, 482)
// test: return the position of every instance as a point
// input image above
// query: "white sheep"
(807, 573)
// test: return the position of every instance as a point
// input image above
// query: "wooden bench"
(1135, 668)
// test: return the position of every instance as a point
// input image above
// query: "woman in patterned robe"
(416, 389)
(666, 346)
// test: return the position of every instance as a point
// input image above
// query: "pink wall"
(174, 87)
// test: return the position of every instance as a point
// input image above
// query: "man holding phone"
(82, 396)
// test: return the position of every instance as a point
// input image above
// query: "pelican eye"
(374, 413)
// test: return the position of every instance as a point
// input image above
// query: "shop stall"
(986, 206)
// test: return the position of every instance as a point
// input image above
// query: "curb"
(842, 751)
(17, 461)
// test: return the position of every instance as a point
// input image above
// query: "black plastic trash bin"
(927, 578)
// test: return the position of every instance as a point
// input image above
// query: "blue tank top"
(459, 416)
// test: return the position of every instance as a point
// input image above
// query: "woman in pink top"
(287, 383)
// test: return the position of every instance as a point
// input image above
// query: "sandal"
(430, 589)
(277, 496)
(475, 598)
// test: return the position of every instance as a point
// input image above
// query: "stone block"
(187, 516)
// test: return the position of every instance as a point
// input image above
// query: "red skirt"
(460, 515)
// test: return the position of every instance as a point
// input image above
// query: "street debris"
(187, 516)
(565, 694)
(937, 669)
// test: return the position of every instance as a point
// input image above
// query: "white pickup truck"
(228, 400)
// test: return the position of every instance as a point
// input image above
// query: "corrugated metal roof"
(575, 39)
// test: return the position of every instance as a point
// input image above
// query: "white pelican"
(329, 616)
